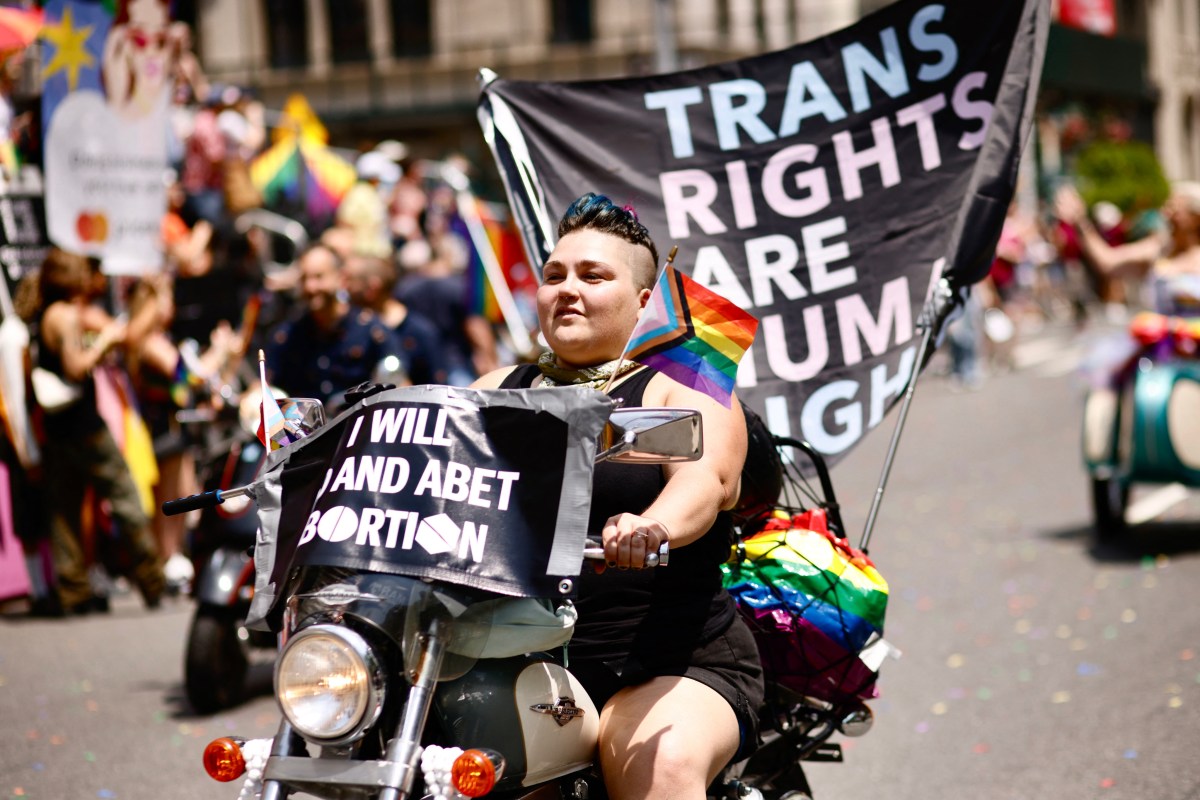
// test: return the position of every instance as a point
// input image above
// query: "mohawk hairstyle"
(596, 212)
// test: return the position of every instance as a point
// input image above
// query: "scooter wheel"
(1110, 498)
(215, 664)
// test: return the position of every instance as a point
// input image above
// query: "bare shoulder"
(57, 317)
(667, 392)
(493, 379)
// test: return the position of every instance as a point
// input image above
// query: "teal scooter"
(1145, 426)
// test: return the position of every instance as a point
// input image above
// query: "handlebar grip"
(185, 504)
(662, 558)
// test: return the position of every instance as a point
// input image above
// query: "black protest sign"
(442, 492)
(23, 239)
(473, 488)
(824, 188)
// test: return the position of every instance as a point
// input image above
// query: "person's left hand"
(628, 538)
(1069, 206)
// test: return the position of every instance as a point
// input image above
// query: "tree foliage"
(1126, 174)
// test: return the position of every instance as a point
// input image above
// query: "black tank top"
(79, 418)
(645, 613)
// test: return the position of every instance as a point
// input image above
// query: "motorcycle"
(1141, 428)
(220, 648)
(420, 618)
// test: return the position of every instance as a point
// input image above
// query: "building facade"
(1173, 32)
(407, 69)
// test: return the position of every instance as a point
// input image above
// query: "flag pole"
(262, 368)
(621, 360)
(469, 211)
(941, 303)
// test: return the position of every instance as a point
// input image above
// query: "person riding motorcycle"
(663, 652)
(1142, 382)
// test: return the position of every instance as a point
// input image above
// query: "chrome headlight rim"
(368, 661)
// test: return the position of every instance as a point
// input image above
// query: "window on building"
(412, 28)
(1131, 19)
(348, 42)
(571, 20)
(760, 23)
(723, 17)
(184, 11)
(287, 33)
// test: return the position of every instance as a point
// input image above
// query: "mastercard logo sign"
(92, 226)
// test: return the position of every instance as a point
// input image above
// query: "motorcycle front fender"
(226, 578)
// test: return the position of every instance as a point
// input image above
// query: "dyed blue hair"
(596, 212)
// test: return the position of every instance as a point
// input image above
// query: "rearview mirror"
(652, 436)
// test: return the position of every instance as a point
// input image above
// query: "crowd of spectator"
(375, 290)
(1045, 273)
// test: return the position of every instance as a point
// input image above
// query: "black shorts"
(728, 664)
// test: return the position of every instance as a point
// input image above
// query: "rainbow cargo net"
(815, 606)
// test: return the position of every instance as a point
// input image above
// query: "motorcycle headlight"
(329, 684)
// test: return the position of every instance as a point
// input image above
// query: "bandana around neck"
(594, 377)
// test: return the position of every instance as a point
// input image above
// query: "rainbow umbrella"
(299, 167)
(18, 27)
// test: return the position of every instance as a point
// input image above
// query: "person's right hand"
(629, 538)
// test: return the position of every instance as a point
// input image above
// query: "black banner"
(23, 240)
(481, 488)
(824, 188)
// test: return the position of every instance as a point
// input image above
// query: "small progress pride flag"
(693, 335)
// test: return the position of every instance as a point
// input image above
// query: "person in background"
(184, 241)
(1168, 260)
(73, 336)
(332, 345)
(363, 208)
(202, 176)
(408, 201)
(371, 280)
(434, 281)
(662, 652)
(166, 382)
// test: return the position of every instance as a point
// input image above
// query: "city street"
(1034, 664)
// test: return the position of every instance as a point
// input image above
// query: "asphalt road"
(1035, 664)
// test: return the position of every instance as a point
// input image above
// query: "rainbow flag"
(274, 430)
(692, 335)
(480, 297)
(299, 166)
(506, 244)
(815, 606)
